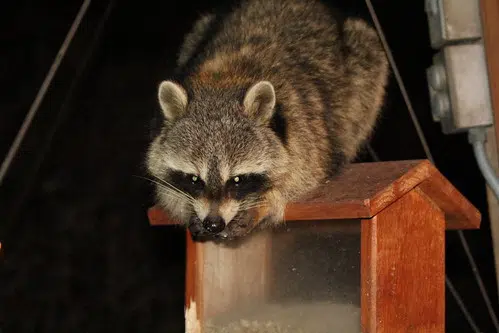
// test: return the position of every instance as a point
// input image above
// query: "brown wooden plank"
(402, 268)
(364, 189)
(368, 277)
(490, 28)
(459, 213)
(157, 216)
(493, 204)
(193, 287)
(360, 191)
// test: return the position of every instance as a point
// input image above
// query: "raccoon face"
(217, 159)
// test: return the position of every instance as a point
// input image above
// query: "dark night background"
(78, 254)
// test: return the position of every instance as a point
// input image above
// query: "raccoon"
(269, 100)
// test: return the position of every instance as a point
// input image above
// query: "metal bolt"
(437, 77)
(441, 105)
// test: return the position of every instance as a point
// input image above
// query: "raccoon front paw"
(240, 226)
(257, 219)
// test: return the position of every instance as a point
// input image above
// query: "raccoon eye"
(195, 181)
(190, 183)
(241, 186)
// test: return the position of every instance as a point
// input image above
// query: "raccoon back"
(329, 74)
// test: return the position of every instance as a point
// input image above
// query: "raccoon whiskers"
(165, 183)
(170, 189)
(175, 194)
(251, 205)
(248, 208)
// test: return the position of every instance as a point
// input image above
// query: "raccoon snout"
(214, 224)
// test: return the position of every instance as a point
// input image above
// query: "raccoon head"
(217, 160)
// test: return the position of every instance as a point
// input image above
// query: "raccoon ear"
(259, 102)
(173, 99)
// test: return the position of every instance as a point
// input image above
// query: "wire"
(474, 268)
(400, 82)
(477, 137)
(461, 305)
(4, 168)
(61, 115)
(424, 143)
(371, 152)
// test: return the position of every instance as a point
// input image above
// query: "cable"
(371, 152)
(64, 109)
(461, 305)
(481, 286)
(400, 82)
(477, 138)
(4, 168)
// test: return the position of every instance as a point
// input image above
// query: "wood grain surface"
(194, 298)
(402, 268)
(490, 25)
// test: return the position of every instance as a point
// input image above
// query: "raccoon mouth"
(199, 231)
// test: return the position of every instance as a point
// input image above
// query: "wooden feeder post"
(404, 208)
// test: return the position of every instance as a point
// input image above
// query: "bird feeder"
(363, 253)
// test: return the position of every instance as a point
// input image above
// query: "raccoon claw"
(195, 227)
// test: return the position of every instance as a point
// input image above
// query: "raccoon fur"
(270, 99)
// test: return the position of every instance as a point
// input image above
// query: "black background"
(78, 254)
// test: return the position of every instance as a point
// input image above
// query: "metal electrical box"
(458, 79)
(459, 88)
(453, 20)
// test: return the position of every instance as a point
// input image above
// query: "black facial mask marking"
(241, 186)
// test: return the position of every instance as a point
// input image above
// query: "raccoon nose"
(214, 224)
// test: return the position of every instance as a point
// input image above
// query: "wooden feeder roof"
(364, 189)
